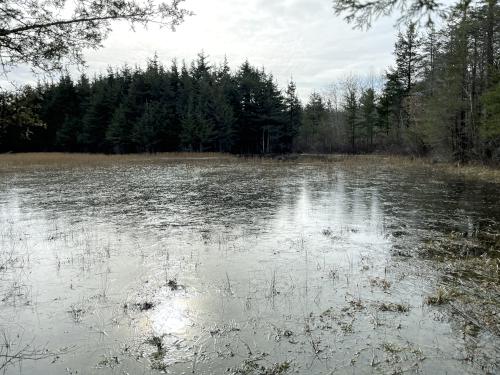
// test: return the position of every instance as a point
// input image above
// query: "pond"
(239, 266)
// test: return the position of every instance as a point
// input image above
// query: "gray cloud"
(299, 38)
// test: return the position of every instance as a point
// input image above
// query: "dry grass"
(472, 171)
(469, 171)
(394, 307)
(442, 296)
(55, 159)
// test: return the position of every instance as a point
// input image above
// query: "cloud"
(299, 38)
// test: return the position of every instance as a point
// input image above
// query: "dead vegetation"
(13, 351)
(109, 361)
(378, 282)
(441, 296)
(144, 306)
(77, 312)
(401, 359)
(393, 307)
(157, 357)
(13, 162)
(41, 160)
(347, 296)
(470, 284)
(173, 285)
(252, 366)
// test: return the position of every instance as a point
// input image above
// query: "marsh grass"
(378, 282)
(77, 312)
(393, 307)
(47, 159)
(252, 366)
(470, 286)
(441, 296)
(158, 356)
(109, 361)
(41, 160)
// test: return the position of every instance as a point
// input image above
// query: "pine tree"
(389, 106)
(368, 114)
(67, 136)
(223, 113)
(351, 113)
(106, 95)
(59, 109)
(408, 57)
(147, 131)
(293, 120)
(315, 119)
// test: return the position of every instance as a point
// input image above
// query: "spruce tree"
(368, 114)
(408, 57)
(351, 113)
(293, 118)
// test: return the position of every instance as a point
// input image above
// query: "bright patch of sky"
(302, 39)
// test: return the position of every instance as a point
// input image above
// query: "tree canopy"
(197, 107)
(362, 13)
(45, 34)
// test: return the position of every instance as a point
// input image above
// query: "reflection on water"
(208, 266)
(171, 316)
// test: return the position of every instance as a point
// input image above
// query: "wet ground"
(247, 267)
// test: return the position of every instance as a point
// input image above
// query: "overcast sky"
(299, 38)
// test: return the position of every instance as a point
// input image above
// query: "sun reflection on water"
(171, 317)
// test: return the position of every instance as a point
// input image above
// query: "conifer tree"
(351, 108)
(293, 119)
(368, 113)
(408, 57)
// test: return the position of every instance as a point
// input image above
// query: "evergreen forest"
(440, 97)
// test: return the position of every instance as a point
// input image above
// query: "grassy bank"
(31, 160)
(55, 159)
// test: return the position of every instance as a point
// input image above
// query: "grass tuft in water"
(252, 367)
(394, 307)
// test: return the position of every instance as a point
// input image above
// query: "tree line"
(192, 108)
(441, 97)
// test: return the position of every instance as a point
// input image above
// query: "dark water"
(216, 267)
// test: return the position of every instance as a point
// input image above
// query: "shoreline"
(14, 161)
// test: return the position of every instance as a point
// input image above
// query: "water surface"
(223, 266)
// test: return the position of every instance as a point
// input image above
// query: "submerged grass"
(441, 296)
(467, 171)
(470, 261)
(470, 284)
(158, 356)
(394, 307)
(252, 367)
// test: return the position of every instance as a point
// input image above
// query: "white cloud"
(299, 38)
